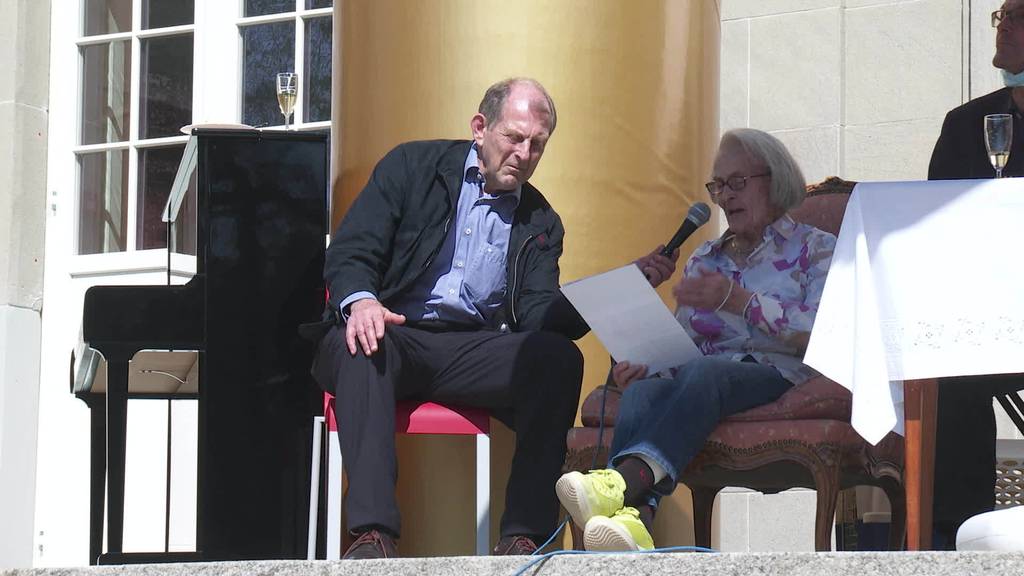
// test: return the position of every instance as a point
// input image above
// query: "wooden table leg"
(920, 401)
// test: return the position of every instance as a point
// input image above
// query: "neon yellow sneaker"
(623, 531)
(598, 493)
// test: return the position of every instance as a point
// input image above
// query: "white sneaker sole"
(573, 496)
(606, 535)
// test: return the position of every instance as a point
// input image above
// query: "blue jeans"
(668, 420)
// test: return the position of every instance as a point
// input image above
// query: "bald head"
(493, 103)
(510, 131)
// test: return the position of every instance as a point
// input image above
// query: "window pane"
(157, 167)
(165, 102)
(268, 49)
(261, 7)
(107, 16)
(317, 100)
(163, 13)
(106, 92)
(311, 4)
(103, 201)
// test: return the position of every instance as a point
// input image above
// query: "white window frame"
(217, 69)
(130, 259)
(299, 16)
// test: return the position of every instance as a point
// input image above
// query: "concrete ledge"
(788, 564)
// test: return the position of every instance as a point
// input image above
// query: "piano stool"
(412, 417)
(155, 375)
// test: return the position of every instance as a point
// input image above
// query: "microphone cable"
(541, 558)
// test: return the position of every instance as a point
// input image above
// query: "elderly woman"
(748, 299)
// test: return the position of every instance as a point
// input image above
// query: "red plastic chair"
(411, 417)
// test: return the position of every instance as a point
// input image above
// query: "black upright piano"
(261, 222)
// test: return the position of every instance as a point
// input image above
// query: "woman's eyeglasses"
(736, 183)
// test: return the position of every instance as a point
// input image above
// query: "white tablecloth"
(927, 280)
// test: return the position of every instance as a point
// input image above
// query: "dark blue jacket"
(397, 224)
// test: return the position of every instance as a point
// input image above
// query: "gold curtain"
(636, 88)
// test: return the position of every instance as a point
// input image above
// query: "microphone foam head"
(699, 214)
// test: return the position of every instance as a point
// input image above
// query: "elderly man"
(444, 285)
(965, 459)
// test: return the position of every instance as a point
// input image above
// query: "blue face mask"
(1013, 80)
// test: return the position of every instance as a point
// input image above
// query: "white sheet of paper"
(631, 320)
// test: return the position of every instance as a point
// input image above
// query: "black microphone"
(697, 216)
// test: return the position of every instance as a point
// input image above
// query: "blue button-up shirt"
(465, 282)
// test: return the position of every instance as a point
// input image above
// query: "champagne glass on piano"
(287, 93)
(998, 137)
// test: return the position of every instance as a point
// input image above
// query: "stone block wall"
(856, 89)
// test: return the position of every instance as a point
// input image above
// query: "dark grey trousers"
(529, 380)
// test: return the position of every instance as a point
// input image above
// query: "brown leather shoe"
(514, 546)
(372, 544)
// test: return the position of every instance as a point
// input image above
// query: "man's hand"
(657, 268)
(366, 321)
(624, 373)
(704, 292)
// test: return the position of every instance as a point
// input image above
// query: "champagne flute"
(287, 93)
(998, 137)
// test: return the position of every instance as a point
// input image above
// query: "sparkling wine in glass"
(998, 137)
(287, 93)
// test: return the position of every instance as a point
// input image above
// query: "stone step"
(780, 564)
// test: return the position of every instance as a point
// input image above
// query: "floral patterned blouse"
(786, 273)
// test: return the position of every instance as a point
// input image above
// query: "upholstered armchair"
(803, 439)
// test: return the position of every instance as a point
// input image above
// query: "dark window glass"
(165, 101)
(103, 201)
(311, 4)
(157, 167)
(164, 13)
(268, 49)
(317, 82)
(261, 7)
(106, 92)
(107, 16)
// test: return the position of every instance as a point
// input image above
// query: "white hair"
(788, 186)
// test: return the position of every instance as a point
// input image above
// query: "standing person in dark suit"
(965, 458)
(960, 150)
(443, 279)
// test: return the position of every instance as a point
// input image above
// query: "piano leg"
(117, 416)
(97, 472)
